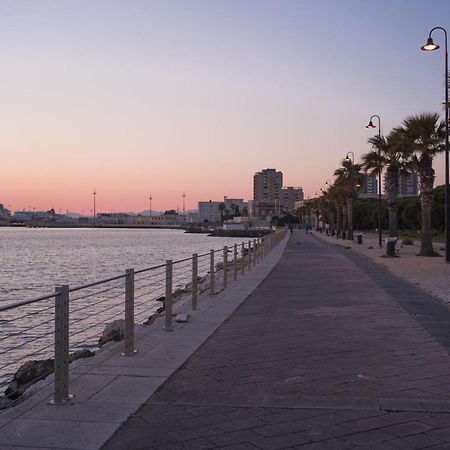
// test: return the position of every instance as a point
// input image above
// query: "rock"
(177, 292)
(113, 331)
(150, 320)
(79, 354)
(27, 374)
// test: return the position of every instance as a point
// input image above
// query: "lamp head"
(370, 125)
(430, 45)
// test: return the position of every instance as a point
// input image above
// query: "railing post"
(263, 247)
(255, 252)
(242, 258)
(129, 313)
(259, 249)
(168, 299)
(194, 280)
(211, 273)
(249, 254)
(225, 266)
(235, 253)
(61, 394)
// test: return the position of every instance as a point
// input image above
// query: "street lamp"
(430, 46)
(150, 211)
(95, 212)
(350, 163)
(371, 125)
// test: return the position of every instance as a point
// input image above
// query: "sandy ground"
(431, 275)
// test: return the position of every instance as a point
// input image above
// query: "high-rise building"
(267, 185)
(408, 184)
(289, 196)
(369, 187)
(266, 193)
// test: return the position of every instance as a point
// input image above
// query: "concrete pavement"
(329, 351)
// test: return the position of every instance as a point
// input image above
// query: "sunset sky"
(143, 97)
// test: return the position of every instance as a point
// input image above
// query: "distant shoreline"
(213, 233)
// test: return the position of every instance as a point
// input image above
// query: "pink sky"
(169, 97)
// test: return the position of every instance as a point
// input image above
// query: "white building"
(234, 206)
(34, 215)
(209, 212)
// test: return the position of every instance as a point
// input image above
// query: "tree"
(388, 152)
(348, 177)
(424, 135)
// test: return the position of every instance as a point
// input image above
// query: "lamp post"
(350, 163)
(371, 125)
(95, 213)
(150, 210)
(430, 46)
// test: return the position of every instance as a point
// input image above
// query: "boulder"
(114, 331)
(79, 354)
(27, 374)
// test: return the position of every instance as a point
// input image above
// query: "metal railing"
(72, 318)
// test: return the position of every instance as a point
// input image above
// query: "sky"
(137, 98)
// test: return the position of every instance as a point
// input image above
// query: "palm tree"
(424, 134)
(347, 178)
(388, 152)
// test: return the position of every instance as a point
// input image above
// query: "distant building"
(163, 220)
(408, 185)
(289, 196)
(270, 198)
(235, 207)
(369, 187)
(209, 212)
(267, 185)
(113, 219)
(28, 216)
(4, 212)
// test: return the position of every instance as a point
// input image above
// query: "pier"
(317, 347)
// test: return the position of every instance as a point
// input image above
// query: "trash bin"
(390, 246)
(359, 238)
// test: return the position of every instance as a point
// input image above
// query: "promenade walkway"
(331, 351)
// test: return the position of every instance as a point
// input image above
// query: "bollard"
(61, 394)
(235, 253)
(194, 281)
(225, 266)
(242, 258)
(255, 252)
(263, 247)
(211, 274)
(129, 313)
(168, 299)
(249, 254)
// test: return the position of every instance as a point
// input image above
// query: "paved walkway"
(326, 353)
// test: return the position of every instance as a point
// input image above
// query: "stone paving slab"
(325, 353)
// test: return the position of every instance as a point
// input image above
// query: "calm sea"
(34, 260)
